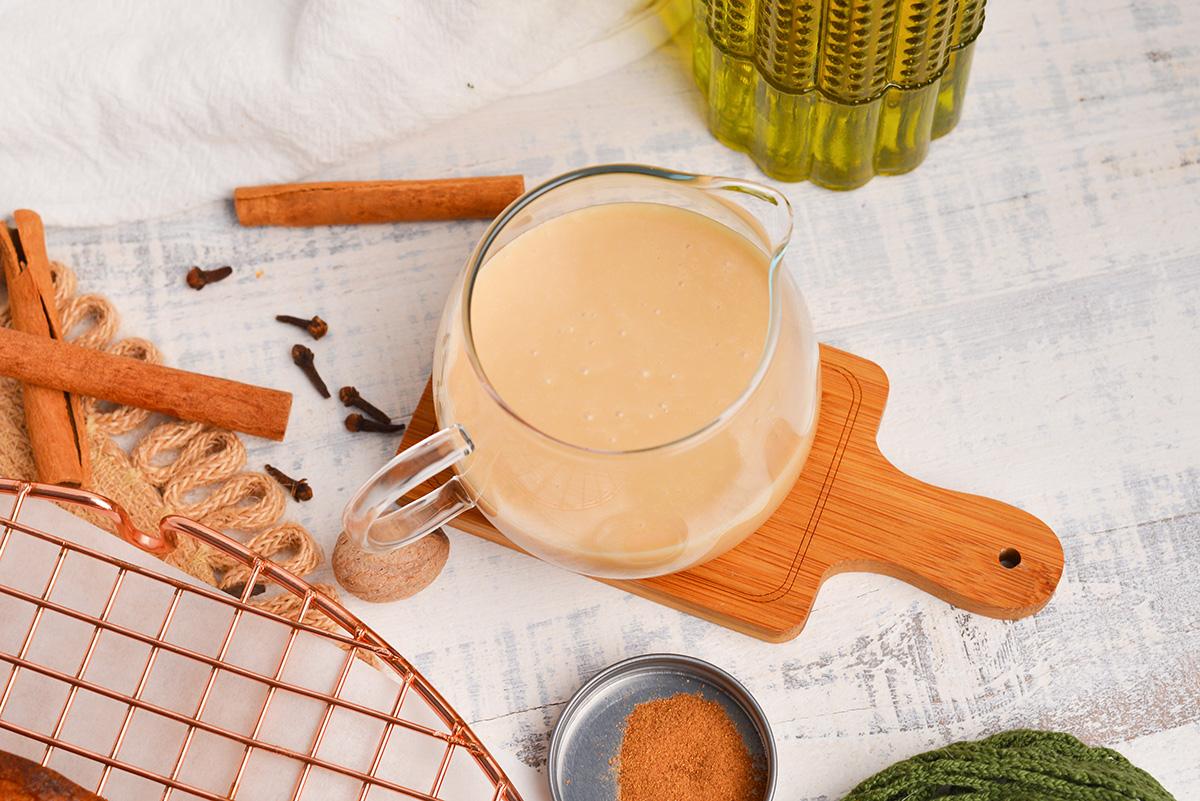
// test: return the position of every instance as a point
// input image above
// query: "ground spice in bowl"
(662, 727)
(685, 748)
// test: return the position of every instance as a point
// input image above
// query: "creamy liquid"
(618, 328)
(622, 326)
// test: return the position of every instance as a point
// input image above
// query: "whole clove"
(198, 279)
(298, 488)
(356, 422)
(316, 327)
(238, 589)
(303, 357)
(350, 397)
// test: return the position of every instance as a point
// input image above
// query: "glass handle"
(364, 520)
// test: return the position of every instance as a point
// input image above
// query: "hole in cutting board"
(1010, 557)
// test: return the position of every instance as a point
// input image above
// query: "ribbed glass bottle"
(836, 91)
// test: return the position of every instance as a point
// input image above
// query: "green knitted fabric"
(1020, 765)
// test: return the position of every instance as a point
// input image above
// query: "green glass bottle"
(835, 91)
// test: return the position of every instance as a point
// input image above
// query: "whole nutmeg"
(390, 576)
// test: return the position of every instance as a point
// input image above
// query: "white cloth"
(126, 109)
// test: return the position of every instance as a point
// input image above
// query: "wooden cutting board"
(850, 510)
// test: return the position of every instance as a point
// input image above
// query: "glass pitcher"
(610, 513)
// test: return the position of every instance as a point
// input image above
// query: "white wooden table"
(1032, 291)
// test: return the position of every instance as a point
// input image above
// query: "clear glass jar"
(835, 91)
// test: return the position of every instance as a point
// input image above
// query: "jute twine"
(1020, 764)
(175, 467)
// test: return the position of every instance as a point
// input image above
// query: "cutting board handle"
(977, 553)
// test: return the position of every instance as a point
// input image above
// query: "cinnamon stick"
(354, 202)
(22, 779)
(217, 402)
(55, 419)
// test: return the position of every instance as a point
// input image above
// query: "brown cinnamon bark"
(355, 202)
(24, 780)
(217, 402)
(55, 418)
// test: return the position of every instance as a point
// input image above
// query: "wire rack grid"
(140, 685)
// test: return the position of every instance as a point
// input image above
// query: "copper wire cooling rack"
(139, 685)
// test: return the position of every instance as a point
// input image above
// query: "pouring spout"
(764, 210)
